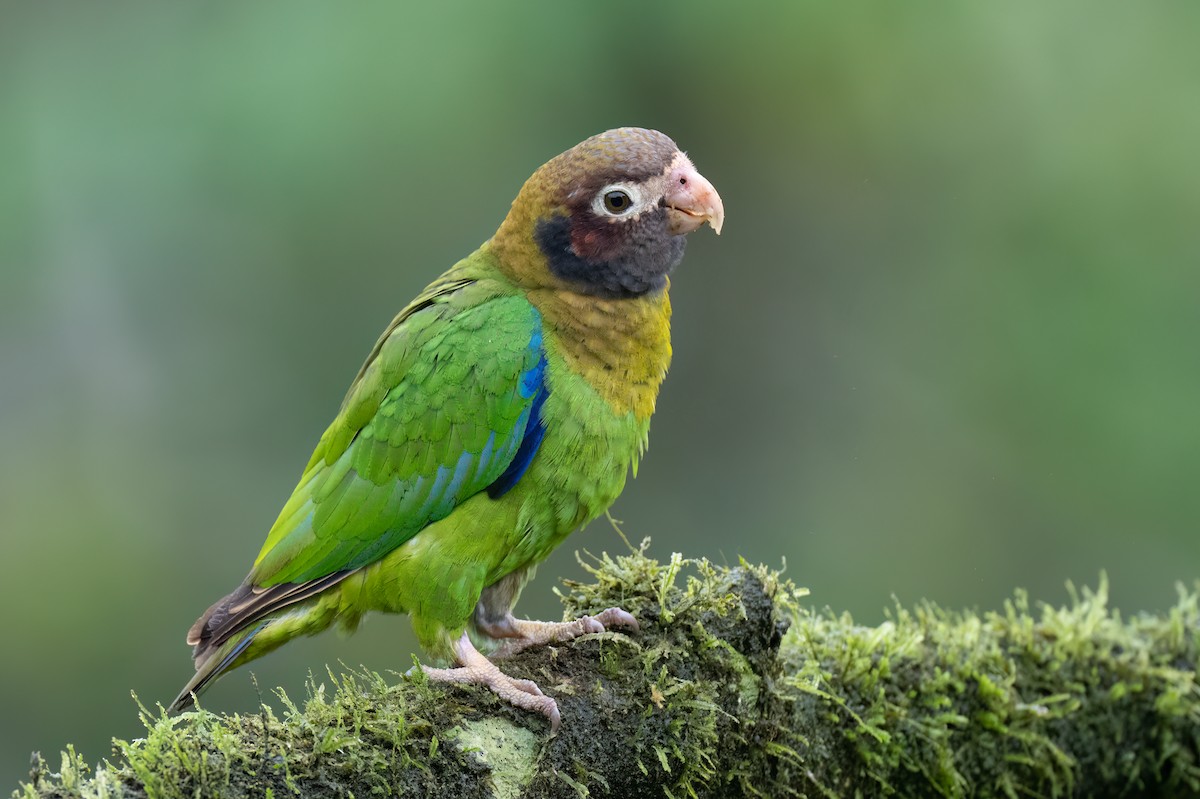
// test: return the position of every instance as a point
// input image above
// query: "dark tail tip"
(185, 701)
(212, 665)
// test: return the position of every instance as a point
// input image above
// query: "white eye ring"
(608, 201)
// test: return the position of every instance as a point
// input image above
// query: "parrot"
(501, 410)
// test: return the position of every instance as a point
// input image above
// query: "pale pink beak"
(691, 200)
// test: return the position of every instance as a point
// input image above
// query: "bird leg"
(520, 634)
(494, 619)
(476, 669)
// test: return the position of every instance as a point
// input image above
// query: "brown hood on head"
(559, 234)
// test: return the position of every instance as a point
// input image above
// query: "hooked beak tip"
(713, 217)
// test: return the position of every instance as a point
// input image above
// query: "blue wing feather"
(533, 384)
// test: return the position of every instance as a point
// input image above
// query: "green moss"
(716, 696)
(1065, 701)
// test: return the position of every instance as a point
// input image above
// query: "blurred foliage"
(946, 346)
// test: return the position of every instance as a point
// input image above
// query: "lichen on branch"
(732, 688)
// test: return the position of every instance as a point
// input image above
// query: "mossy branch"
(730, 689)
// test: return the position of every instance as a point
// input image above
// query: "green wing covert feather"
(436, 415)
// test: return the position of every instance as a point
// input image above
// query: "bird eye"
(617, 202)
(617, 199)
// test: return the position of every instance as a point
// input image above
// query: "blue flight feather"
(533, 384)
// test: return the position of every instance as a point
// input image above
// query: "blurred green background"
(947, 345)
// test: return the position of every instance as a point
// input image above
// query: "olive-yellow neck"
(621, 347)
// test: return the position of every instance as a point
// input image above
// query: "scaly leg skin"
(476, 669)
(520, 634)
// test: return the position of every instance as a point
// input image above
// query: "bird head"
(607, 217)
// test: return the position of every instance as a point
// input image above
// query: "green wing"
(437, 414)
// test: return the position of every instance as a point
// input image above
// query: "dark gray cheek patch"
(645, 256)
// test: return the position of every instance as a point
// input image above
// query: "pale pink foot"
(476, 669)
(520, 634)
